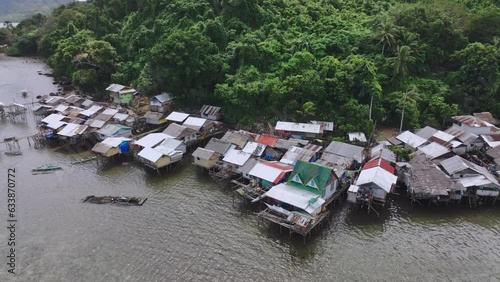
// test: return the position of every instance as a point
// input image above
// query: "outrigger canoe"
(134, 201)
(46, 168)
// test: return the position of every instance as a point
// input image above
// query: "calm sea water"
(188, 229)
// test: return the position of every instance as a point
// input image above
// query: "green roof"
(310, 176)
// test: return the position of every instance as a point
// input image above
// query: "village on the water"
(289, 173)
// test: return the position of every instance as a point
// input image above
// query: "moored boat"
(134, 201)
(83, 160)
(46, 168)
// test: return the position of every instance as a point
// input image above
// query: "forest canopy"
(353, 62)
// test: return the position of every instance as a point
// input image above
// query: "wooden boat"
(134, 201)
(83, 160)
(13, 153)
(46, 168)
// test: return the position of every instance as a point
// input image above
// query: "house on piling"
(182, 133)
(374, 182)
(477, 179)
(426, 182)
(299, 130)
(204, 158)
(112, 146)
(121, 94)
(266, 174)
(472, 142)
(162, 103)
(198, 124)
(114, 130)
(151, 140)
(159, 157)
(300, 203)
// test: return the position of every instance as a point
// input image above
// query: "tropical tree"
(406, 99)
(387, 34)
(402, 60)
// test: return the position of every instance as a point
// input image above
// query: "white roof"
(72, 129)
(327, 125)
(61, 108)
(97, 123)
(456, 143)
(53, 118)
(114, 141)
(411, 139)
(91, 111)
(150, 154)
(194, 122)
(56, 124)
(479, 180)
(298, 127)
(379, 176)
(121, 89)
(110, 112)
(296, 197)
(54, 99)
(254, 148)
(236, 157)
(2, 104)
(353, 188)
(171, 143)
(490, 141)
(434, 150)
(152, 139)
(120, 116)
(443, 136)
(269, 173)
(359, 136)
(177, 116)
(163, 97)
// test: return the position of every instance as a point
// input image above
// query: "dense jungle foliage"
(264, 60)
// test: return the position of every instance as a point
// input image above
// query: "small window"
(296, 179)
(461, 175)
(198, 158)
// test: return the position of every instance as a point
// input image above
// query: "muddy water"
(188, 229)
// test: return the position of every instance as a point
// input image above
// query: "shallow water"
(188, 229)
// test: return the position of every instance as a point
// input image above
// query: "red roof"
(267, 139)
(381, 163)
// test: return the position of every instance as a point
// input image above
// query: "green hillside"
(16, 10)
(262, 60)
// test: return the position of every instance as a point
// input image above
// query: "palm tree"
(402, 60)
(387, 34)
(409, 97)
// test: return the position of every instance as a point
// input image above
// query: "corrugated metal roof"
(110, 112)
(268, 172)
(236, 157)
(254, 148)
(298, 127)
(486, 116)
(380, 151)
(61, 108)
(87, 103)
(297, 153)
(442, 137)
(72, 129)
(381, 163)
(120, 89)
(357, 136)
(462, 135)
(56, 124)
(178, 131)
(195, 123)
(73, 99)
(173, 144)
(472, 121)
(120, 116)
(93, 110)
(411, 139)
(150, 154)
(490, 141)
(97, 123)
(434, 150)
(177, 116)
(203, 153)
(456, 164)
(112, 129)
(286, 144)
(346, 150)
(162, 98)
(53, 118)
(479, 180)
(426, 132)
(218, 146)
(381, 177)
(237, 138)
(334, 161)
(114, 141)
(245, 169)
(101, 148)
(326, 125)
(268, 140)
(152, 139)
(209, 110)
(296, 197)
